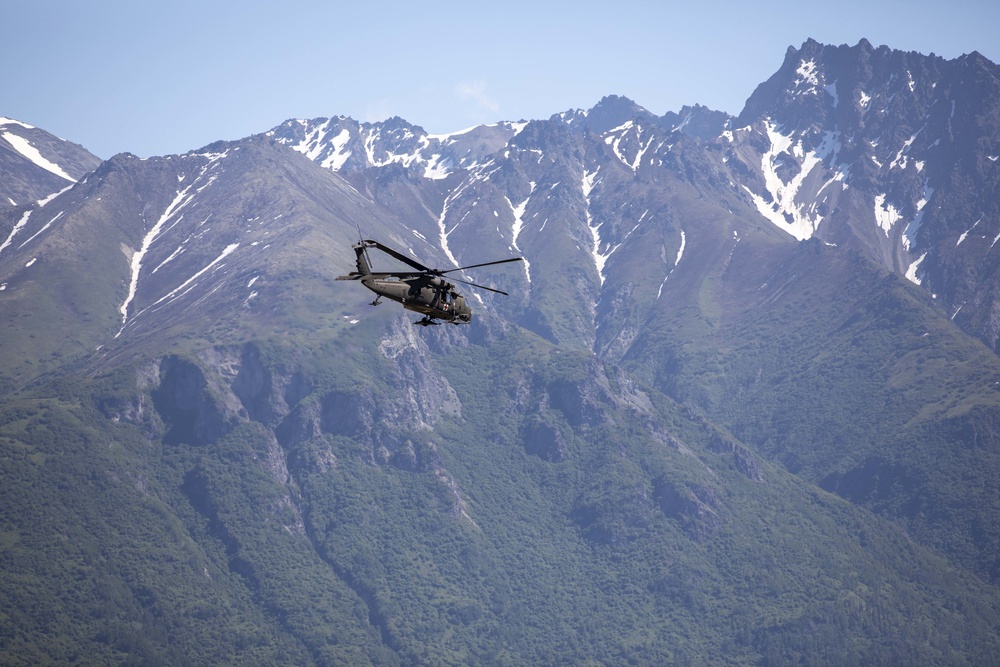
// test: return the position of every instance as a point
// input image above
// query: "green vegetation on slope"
(849, 377)
(563, 515)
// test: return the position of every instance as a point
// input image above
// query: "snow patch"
(807, 78)
(587, 186)
(446, 138)
(910, 232)
(443, 230)
(966, 232)
(177, 291)
(677, 260)
(886, 215)
(179, 202)
(618, 134)
(10, 121)
(683, 123)
(798, 219)
(901, 157)
(518, 225)
(46, 226)
(18, 226)
(24, 147)
(437, 167)
(331, 151)
(911, 272)
(181, 248)
(680, 251)
(338, 156)
(42, 202)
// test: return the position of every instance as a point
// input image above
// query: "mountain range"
(742, 405)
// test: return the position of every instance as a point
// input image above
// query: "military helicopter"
(422, 290)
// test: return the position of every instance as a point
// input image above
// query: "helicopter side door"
(443, 302)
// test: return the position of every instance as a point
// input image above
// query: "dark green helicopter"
(422, 290)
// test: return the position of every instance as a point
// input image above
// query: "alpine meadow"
(740, 407)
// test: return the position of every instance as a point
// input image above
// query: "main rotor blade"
(466, 282)
(474, 266)
(398, 255)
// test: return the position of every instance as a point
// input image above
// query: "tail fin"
(363, 263)
(364, 247)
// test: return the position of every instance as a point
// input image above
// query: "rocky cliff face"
(890, 153)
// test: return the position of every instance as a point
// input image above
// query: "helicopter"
(422, 290)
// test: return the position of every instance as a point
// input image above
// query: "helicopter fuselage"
(430, 296)
(421, 290)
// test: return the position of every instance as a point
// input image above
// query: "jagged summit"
(816, 77)
(856, 128)
(613, 111)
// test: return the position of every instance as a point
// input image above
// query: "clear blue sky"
(158, 77)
